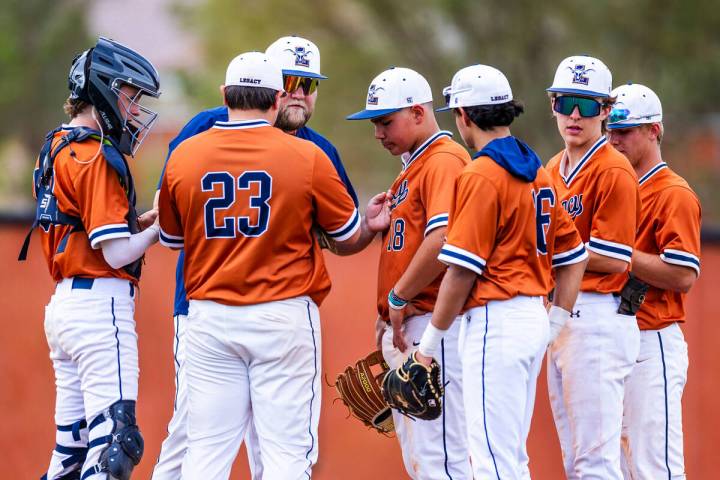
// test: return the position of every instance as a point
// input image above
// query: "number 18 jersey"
(422, 195)
(241, 199)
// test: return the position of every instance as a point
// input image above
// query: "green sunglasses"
(587, 107)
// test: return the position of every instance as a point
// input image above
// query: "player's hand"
(423, 359)
(397, 318)
(148, 218)
(377, 212)
(379, 331)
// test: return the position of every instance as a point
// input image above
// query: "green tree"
(38, 38)
(670, 46)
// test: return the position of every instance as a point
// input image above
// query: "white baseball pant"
(588, 366)
(90, 330)
(501, 348)
(652, 435)
(172, 452)
(436, 449)
(262, 361)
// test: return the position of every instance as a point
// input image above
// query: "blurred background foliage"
(672, 47)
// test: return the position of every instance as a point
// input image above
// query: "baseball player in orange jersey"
(507, 231)
(91, 238)
(399, 104)
(254, 275)
(667, 257)
(593, 355)
(300, 61)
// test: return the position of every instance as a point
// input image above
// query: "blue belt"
(84, 283)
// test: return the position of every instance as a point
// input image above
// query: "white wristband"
(432, 336)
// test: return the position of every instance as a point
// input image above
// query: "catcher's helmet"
(96, 76)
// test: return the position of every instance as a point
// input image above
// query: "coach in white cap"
(596, 350)
(667, 258)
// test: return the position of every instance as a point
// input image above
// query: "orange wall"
(347, 449)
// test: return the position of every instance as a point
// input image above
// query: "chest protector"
(47, 212)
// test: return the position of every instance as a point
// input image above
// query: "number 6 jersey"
(241, 199)
(508, 226)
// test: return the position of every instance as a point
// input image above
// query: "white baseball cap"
(582, 75)
(254, 69)
(477, 85)
(393, 90)
(636, 105)
(297, 56)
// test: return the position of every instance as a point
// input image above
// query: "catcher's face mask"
(137, 120)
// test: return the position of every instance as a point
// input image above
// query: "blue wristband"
(395, 302)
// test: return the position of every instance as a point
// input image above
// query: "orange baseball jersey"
(669, 227)
(91, 190)
(421, 203)
(241, 199)
(601, 195)
(509, 231)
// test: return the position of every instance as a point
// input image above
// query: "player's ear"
(418, 113)
(464, 117)
(278, 96)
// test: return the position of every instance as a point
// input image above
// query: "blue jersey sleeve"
(198, 124)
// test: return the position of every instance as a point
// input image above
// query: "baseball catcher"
(360, 391)
(414, 389)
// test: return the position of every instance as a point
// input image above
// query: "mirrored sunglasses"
(587, 107)
(293, 82)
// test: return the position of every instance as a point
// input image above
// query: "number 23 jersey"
(241, 199)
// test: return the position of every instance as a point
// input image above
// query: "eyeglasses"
(586, 106)
(293, 82)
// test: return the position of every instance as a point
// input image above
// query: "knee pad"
(125, 443)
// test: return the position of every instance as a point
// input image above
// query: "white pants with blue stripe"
(652, 422)
(258, 363)
(501, 348)
(588, 367)
(437, 449)
(93, 347)
(174, 447)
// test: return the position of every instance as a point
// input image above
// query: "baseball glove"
(359, 390)
(414, 389)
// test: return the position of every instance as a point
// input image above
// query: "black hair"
(249, 98)
(487, 117)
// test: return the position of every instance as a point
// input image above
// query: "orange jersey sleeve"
(617, 211)
(437, 188)
(568, 246)
(171, 229)
(335, 211)
(677, 231)
(473, 223)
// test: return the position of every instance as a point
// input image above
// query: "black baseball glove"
(414, 389)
